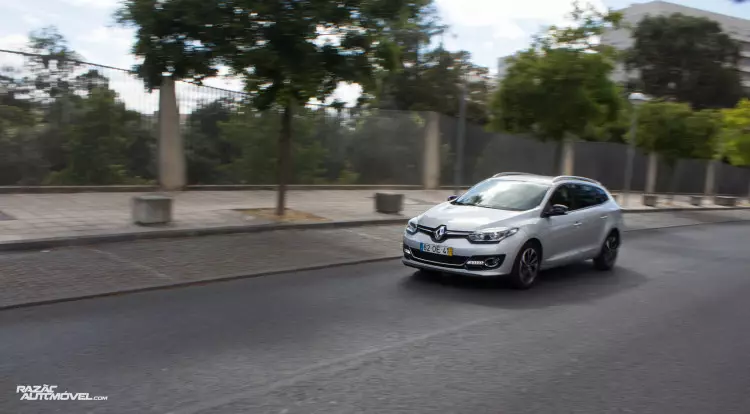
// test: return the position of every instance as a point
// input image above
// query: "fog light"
(407, 251)
(492, 262)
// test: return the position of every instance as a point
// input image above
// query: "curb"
(679, 209)
(166, 233)
(197, 187)
(47, 243)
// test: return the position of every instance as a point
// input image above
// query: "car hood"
(465, 218)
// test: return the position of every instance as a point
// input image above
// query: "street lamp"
(636, 99)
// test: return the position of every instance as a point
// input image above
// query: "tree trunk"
(285, 159)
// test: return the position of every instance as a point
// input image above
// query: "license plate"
(437, 249)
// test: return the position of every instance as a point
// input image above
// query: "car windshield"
(504, 195)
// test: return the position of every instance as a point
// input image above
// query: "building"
(738, 29)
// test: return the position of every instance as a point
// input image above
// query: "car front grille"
(438, 259)
(449, 234)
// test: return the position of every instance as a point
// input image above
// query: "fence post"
(651, 172)
(431, 153)
(567, 164)
(709, 187)
(172, 170)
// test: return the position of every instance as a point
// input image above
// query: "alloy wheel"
(529, 266)
(611, 246)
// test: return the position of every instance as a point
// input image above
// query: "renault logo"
(439, 234)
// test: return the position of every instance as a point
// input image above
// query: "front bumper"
(466, 256)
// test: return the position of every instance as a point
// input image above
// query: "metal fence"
(76, 123)
(229, 142)
(68, 122)
(487, 153)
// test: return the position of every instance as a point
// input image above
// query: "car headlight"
(411, 227)
(491, 235)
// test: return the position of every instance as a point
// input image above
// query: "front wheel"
(608, 254)
(526, 267)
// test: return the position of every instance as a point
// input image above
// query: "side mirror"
(453, 197)
(556, 210)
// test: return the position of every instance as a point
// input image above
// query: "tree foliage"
(560, 85)
(735, 138)
(277, 47)
(675, 131)
(686, 58)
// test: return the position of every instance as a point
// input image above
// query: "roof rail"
(574, 177)
(503, 174)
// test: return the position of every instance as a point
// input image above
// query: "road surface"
(666, 332)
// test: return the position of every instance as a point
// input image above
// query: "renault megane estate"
(514, 225)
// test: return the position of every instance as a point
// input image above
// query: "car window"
(563, 195)
(504, 195)
(601, 195)
(586, 195)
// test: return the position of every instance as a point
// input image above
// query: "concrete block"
(725, 201)
(389, 203)
(696, 200)
(152, 209)
(650, 200)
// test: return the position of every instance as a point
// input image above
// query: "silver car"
(516, 224)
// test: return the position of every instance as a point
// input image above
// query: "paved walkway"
(40, 216)
(74, 272)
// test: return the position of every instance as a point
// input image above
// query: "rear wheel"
(526, 267)
(608, 255)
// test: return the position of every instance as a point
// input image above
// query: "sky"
(488, 29)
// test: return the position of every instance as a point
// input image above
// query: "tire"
(607, 256)
(526, 266)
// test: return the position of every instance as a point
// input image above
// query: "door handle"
(577, 223)
(604, 217)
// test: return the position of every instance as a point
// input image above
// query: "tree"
(561, 85)
(276, 46)
(686, 58)
(436, 86)
(207, 148)
(104, 143)
(735, 136)
(676, 131)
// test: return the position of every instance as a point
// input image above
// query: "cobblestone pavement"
(35, 216)
(38, 276)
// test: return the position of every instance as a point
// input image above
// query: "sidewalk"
(26, 217)
(36, 277)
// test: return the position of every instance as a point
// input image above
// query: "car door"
(592, 217)
(562, 239)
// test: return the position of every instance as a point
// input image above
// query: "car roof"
(544, 179)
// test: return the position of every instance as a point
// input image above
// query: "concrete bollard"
(152, 209)
(650, 200)
(389, 203)
(725, 201)
(696, 201)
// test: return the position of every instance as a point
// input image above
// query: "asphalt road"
(666, 332)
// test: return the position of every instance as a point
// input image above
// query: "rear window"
(504, 195)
